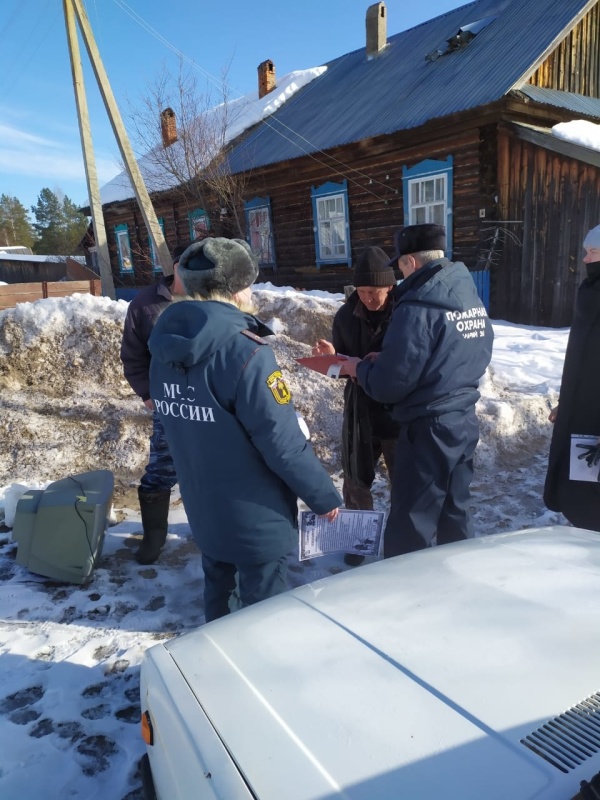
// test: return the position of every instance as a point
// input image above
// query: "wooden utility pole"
(91, 175)
(114, 115)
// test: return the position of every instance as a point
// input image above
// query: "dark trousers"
(160, 473)
(256, 582)
(431, 483)
(358, 495)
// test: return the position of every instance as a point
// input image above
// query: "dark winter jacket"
(437, 346)
(578, 408)
(356, 332)
(141, 317)
(239, 453)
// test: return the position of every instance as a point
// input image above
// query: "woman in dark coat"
(578, 410)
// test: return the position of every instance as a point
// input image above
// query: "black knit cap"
(217, 266)
(179, 251)
(372, 268)
(418, 239)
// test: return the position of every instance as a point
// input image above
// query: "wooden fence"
(482, 283)
(14, 293)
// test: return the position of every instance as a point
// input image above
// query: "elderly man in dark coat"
(368, 431)
(578, 410)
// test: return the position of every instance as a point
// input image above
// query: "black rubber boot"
(353, 559)
(155, 518)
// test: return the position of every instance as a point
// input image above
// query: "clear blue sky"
(39, 138)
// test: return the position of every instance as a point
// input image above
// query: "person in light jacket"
(240, 456)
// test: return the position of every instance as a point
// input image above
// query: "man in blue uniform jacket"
(437, 347)
(240, 456)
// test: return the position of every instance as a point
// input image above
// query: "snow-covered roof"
(15, 249)
(242, 113)
(579, 131)
(40, 259)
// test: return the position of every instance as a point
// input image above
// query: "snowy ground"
(69, 671)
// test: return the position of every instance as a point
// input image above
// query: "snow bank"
(65, 406)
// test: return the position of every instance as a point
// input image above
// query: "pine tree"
(15, 227)
(59, 225)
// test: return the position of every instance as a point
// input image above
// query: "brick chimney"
(266, 78)
(168, 127)
(376, 24)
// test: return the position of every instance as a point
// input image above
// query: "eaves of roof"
(576, 103)
(543, 138)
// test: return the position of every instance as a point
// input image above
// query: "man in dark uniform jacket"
(154, 491)
(578, 410)
(368, 431)
(437, 347)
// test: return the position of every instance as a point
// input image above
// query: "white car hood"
(415, 677)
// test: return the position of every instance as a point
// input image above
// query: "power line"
(21, 62)
(269, 123)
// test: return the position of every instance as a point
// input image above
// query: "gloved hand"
(591, 455)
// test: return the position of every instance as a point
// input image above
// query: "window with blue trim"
(199, 223)
(153, 255)
(259, 230)
(124, 248)
(427, 193)
(331, 224)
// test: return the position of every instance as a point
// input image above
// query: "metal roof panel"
(358, 98)
(578, 103)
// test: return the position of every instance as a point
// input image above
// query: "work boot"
(353, 559)
(155, 519)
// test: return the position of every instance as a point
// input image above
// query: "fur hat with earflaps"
(419, 239)
(217, 267)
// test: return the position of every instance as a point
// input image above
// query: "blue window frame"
(153, 256)
(427, 194)
(259, 230)
(199, 223)
(331, 225)
(124, 248)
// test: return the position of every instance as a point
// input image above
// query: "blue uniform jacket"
(240, 456)
(437, 346)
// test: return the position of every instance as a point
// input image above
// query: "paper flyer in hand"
(327, 365)
(578, 467)
(352, 531)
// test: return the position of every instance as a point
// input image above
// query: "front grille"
(571, 738)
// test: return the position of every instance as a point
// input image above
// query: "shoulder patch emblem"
(279, 387)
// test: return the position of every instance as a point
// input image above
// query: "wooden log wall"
(373, 170)
(173, 210)
(574, 66)
(557, 200)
